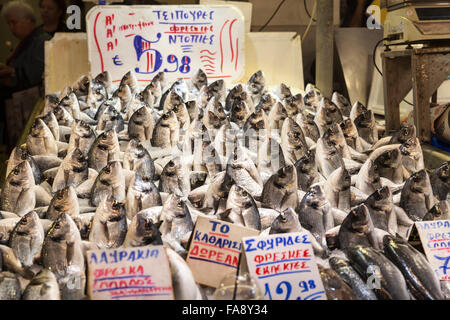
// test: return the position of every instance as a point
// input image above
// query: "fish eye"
(24, 220)
(16, 171)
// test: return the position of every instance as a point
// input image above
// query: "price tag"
(141, 273)
(177, 39)
(215, 249)
(283, 266)
(435, 237)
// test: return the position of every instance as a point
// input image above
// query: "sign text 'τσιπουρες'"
(435, 237)
(215, 249)
(178, 40)
(283, 266)
(129, 273)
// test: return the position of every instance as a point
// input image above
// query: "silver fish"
(10, 288)
(81, 137)
(105, 148)
(19, 155)
(110, 181)
(175, 178)
(40, 140)
(167, 131)
(242, 209)
(141, 125)
(64, 200)
(280, 191)
(141, 194)
(293, 141)
(142, 232)
(440, 181)
(342, 103)
(199, 79)
(417, 195)
(366, 125)
(136, 158)
(43, 286)
(26, 238)
(327, 114)
(440, 211)
(109, 226)
(73, 171)
(110, 119)
(307, 173)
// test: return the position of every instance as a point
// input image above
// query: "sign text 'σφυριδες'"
(283, 266)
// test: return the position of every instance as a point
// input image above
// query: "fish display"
(118, 165)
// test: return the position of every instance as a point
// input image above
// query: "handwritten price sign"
(215, 249)
(283, 266)
(129, 273)
(435, 237)
(175, 39)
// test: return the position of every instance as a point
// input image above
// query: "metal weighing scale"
(424, 28)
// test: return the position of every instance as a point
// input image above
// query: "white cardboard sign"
(435, 237)
(283, 266)
(215, 249)
(176, 39)
(141, 273)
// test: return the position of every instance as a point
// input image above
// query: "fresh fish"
(283, 92)
(293, 141)
(383, 276)
(110, 119)
(256, 130)
(312, 97)
(315, 215)
(244, 172)
(440, 211)
(43, 286)
(357, 109)
(218, 89)
(335, 286)
(381, 207)
(19, 155)
(242, 209)
(440, 181)
(167, 131)
(176, 219)
(328, 157)
(109, 226)
(342, 103)
(337, 189)
(334, 136)
(368, 178)
(239, 112)
(136, 158)
(359, 288)
(266, 103)
(62, 254)
(64, 201)
(52, 123)
(306, 121)
(183, 282)
(81, 137)
(199, 79)
(110, 181)
(63, 117)
(418, 273)
(18, 194)
(175, 178)
(217, 190)
(287, 222)
(280, 191)
(142, 232)
(141, 194)
(257, 84)
(412, 155)
(80, 86)
(403, 134)
(40, 140)
(96, 94)
(417, 196)
(277, 115)
(366, 125)
(388, 160)
(105, 148)
(71, 104)
(352, 136)
(50, 102)
(10, 288)
(357, 229)
(307, 173)
(129, 79)
(104, 78)
(125, 95)
(141, 125)
(294, 105)
(73, 171)
(327, 114)
(26, 238)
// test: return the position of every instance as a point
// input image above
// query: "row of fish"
(108, 166)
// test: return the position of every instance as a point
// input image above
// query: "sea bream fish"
(327, 114)
(19, 155)
(175, 178)
(62, 253)
(110, 180)
(81, 136)
(43, 286)
(307, 173)
(142, 232)
(136, 158)
(367, 127)
(315, 215)
(109, 119)
(73, 171)
(105, 148)
(10, 288)
(52, 123)
(26, 238)
(18, 193)
(342, 103)
(293, 141)
(65, 200)
(440, 211)
(109, 225)
(280, 191)
(306, 121)
(241, 209)
(266, 103)
(40, 140)
(142, 193)
(440, 181)
(166, 133)
(412, 155)
(417, 195)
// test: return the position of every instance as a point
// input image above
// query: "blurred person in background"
(24, 67)
(53, 14)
